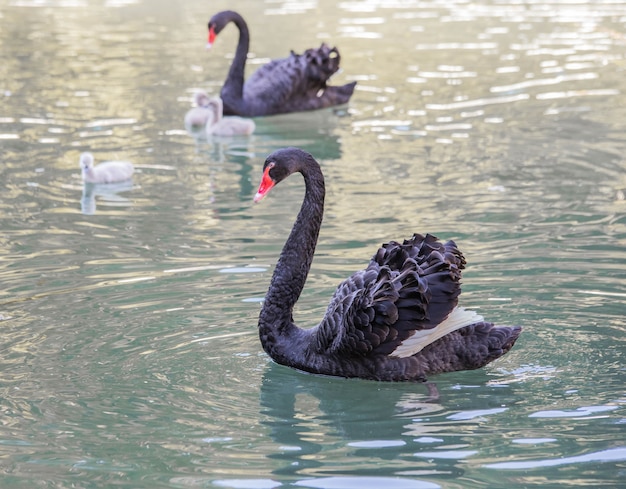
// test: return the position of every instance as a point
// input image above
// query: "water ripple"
(465, 104)
(611, 455)
(365, 483)
(129, 335)
(447, 454)
(479, 413)
(578, 412)
(544, 81)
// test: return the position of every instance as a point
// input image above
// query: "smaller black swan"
(397, 320)
(292, 84)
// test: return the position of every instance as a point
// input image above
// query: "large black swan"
(397, 320)
(292, 84)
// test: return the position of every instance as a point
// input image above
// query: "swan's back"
(295, 74)
(399, 320)
(295, 83)
(408, 286)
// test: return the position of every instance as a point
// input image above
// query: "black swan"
(292, 84)
(397, 320)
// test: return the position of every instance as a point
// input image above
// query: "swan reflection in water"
(107, 192)
(304, 412)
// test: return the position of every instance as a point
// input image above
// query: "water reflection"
(316, 132)
(304, 412)
(108, 194)
(617, 454)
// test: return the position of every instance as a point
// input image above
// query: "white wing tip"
(458, 318)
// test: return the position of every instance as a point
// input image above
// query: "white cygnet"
(217, 125)
(107, 172)
(198, 115)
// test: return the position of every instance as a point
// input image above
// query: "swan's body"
(208, 115)
(293, 84)
(218, 125)
(107, 172)
(397, 320)
(197, 116)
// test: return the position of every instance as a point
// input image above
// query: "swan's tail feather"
(469, 348)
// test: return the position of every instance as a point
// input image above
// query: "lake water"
(128, 347)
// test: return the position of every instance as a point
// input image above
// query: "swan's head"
(212, 36)
(201, 99)
(86, 161)
(278, 166)
(218, 22)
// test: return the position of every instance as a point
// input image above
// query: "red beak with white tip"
(212, 36)
(266, 184)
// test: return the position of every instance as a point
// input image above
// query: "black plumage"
(398, 319)
(293, 84)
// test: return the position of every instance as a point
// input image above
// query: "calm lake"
(129, 355)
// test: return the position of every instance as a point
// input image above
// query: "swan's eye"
(268, 168)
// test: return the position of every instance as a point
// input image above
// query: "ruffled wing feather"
(297, 82)
(399, 303)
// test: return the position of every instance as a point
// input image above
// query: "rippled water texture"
(128, 347)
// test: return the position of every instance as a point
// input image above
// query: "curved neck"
(215, 108)
(295, 259)
(234, 81)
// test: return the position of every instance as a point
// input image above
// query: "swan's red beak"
(212, 36)
(266, 185)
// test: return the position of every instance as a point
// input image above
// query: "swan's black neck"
(232, 92)
(295, 260)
